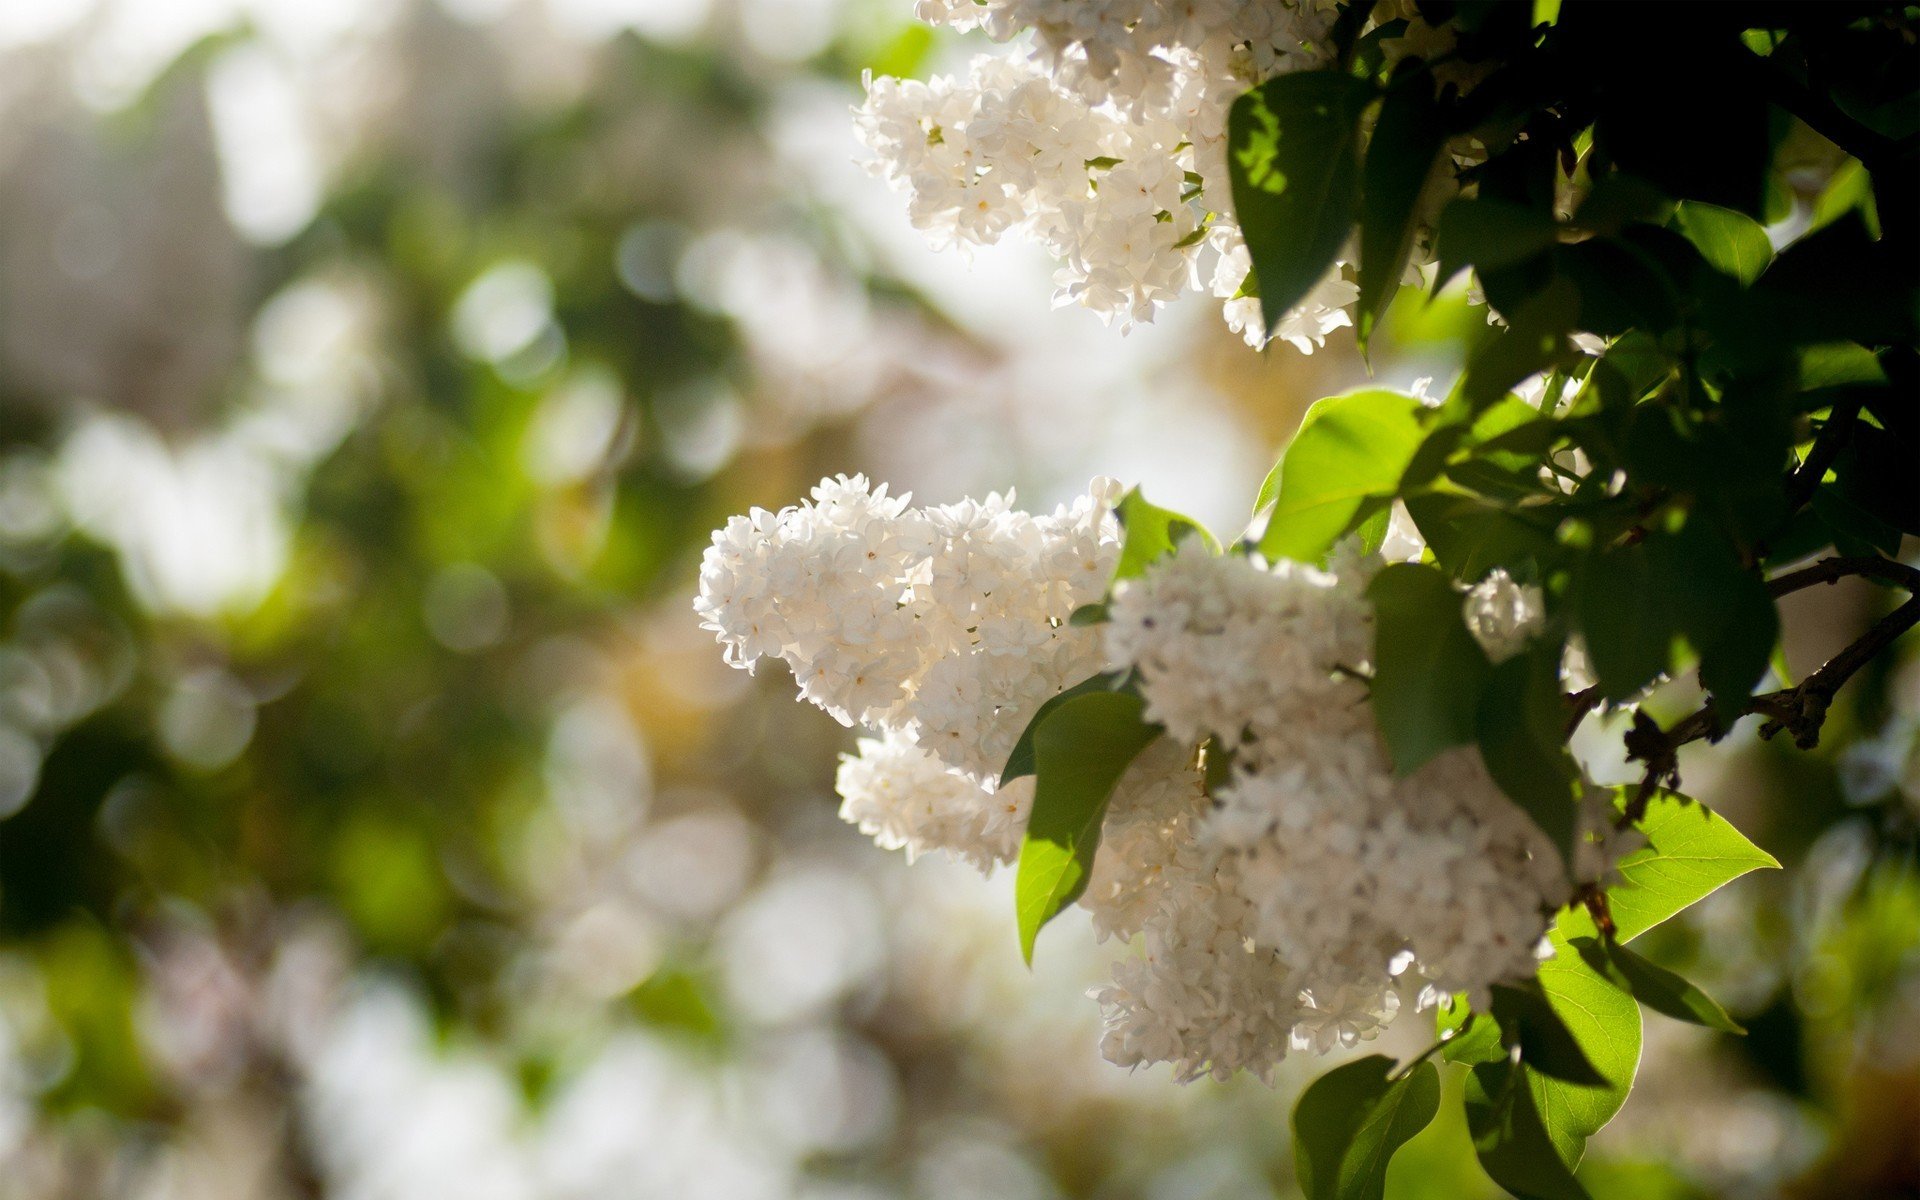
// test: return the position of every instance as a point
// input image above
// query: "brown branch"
(1832, 570)
(1800, 710)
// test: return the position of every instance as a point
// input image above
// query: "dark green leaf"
(1509, 1137)
(1293, 160)
(1488, 234)
(1428, 670)
(1723, 609)
(1654, 986)
(1535, 340)
(1617, 200)
(1878, 471)
(1350, 449)
(1522, 742)
(1401, 158)
(1151, 532)
(1629, 627)
(1088, 614)
(1351, 1120)
(1470, 537)
(1080, 751)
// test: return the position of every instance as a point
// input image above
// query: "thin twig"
(1800, 710)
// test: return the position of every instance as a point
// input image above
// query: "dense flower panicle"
(1103, 137)
(1300, 906)
(1356, 876)
(1317, 879)
(906, 799)
(1230, 650)
(944, 627)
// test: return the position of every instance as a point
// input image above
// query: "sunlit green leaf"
(1690, 854)
(1654, 986)
(1151, 533)
(1547, 1045)
(1020, 761)
(1605, 1022)
(1732, 242)
(1350, 449)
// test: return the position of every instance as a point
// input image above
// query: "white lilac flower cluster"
(1304, 902)
(1102, 136)
(944, 628)
(1317, 893)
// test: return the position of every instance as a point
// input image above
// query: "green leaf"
(1723, 609)
(1350, 449)
(1020, 762)
(1839, 365)
(1547, 1046)
(1850, 190)
(1470, 1037)
(1400, 160)
(1605, 1023)
(1731, 242)
(1151, 533)
(1535, 340)
(1351, 1120)
(1522, 741)
(1629, 627)
(1428, 670)
(1088, 614)
(1690, 854)
(1654, 986)
(1488, 234)
(1510, 1138)
(1080, 751)
(1294, 166)
(1469, 537)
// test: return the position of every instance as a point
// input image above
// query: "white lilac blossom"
(1318, 887)
(906, 799)
(943, 627)
(1101, 135)
(1503, 615)
(1304, 903)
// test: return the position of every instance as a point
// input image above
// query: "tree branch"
(1800, 710)
(1832, 570)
